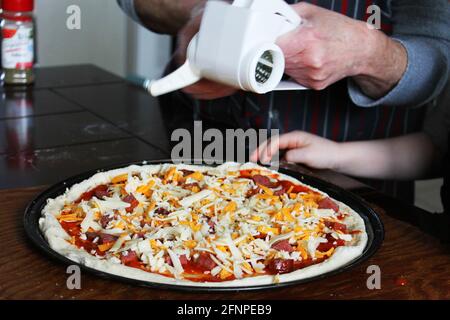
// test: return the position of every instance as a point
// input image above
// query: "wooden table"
(121, 123)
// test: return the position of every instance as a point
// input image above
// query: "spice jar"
(18, 39)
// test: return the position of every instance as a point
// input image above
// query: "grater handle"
(180, 78)
(289, 86)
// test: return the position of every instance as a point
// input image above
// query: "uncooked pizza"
(231, 225)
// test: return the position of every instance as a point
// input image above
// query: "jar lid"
(18, 5)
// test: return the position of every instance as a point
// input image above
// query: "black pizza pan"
(374, 228)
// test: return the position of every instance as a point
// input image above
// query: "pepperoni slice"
(336, 226)
(186, 172)
(91, 235)
(168, 260)
(140, 235)
(102, 237)
(260, 236)
(252, 192)
(107, 238)
(183, 260)
(285, 186)
(129, 257)
(289, 186)
(325, 246)
(280, 192)
(327, 203)
(204, 262)
(132, 201)
(332, 243)
(190, 185)
(99, 191)
(280, 266)
(264, 181)
(162, 211)
(283, 245)
(104, 221)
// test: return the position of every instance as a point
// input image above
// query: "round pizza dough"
(58, 238)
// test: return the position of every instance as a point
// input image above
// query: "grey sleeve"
(423, 28)
(128, 7)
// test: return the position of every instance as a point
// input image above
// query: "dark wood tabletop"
(81, 118)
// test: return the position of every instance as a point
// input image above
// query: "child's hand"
(303, 147)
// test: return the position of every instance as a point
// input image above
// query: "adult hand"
(164, 16)
(329, 46)
(204, 89)
(311, 150)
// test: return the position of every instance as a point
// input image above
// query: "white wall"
(108, 39)
(148, 52)
(101, 40)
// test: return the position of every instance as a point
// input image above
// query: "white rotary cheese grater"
(236, 46)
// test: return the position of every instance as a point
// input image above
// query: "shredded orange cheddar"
(230, 207)
(224, 274)
(324, 254)
(266, 190)
(105, 247)
(120, 178)
(190, 244)
(303, 252)
(197, 175)
(69, 218)
(266, 230)
(222, 248)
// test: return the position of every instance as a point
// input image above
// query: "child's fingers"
(255, 155)
(264, 152)
(260, 152)
(269, 148)
(296, 155)
(289, 140)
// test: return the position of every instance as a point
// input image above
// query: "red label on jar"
(18, 48)
(8, 33)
